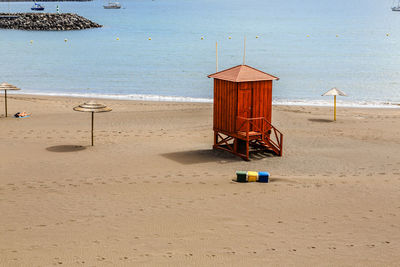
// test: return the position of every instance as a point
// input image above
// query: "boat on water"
(112, 5)
(37, 7)
(396, 8)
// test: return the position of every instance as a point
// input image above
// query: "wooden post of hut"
(243, 112)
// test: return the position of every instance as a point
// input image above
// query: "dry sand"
(151, 192)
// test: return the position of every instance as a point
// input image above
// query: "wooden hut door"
(244, 106)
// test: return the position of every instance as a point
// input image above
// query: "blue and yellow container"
(263, 177)
(251, 176)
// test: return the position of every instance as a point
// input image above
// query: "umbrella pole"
(5, 100)
(334, 108)
(92, 126)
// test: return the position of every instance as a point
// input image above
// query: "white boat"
(112, 5)
(396, 8)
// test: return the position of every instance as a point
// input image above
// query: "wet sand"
(151, 192)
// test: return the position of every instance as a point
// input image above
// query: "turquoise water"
(347, 47)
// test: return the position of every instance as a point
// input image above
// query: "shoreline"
(182, 99)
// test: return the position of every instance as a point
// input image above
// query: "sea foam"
(282, 102)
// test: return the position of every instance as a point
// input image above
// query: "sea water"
(310, 45)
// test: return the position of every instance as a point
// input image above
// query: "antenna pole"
(244, 50)
(216, 55)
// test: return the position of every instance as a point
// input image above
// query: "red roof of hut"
(243, 73)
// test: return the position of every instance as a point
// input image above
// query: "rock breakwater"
(45, 22)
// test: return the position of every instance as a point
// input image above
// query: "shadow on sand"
(282, 180)
(261, 154)
(320, 120)
(65, 148)
(200, 156)
(210, 155)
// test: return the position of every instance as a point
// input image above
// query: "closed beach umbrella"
(334, 91)
(6, 87)
(93, 107)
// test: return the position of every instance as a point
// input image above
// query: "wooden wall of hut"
(261, 100)
(225, 105)
(244, 99)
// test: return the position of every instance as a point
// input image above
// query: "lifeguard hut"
(243, 111)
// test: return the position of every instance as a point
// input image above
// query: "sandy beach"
(152, 192)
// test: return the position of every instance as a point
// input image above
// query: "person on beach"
(21, 114)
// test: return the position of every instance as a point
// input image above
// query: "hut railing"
(261, 128)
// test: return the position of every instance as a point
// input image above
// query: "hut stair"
(252, 133)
